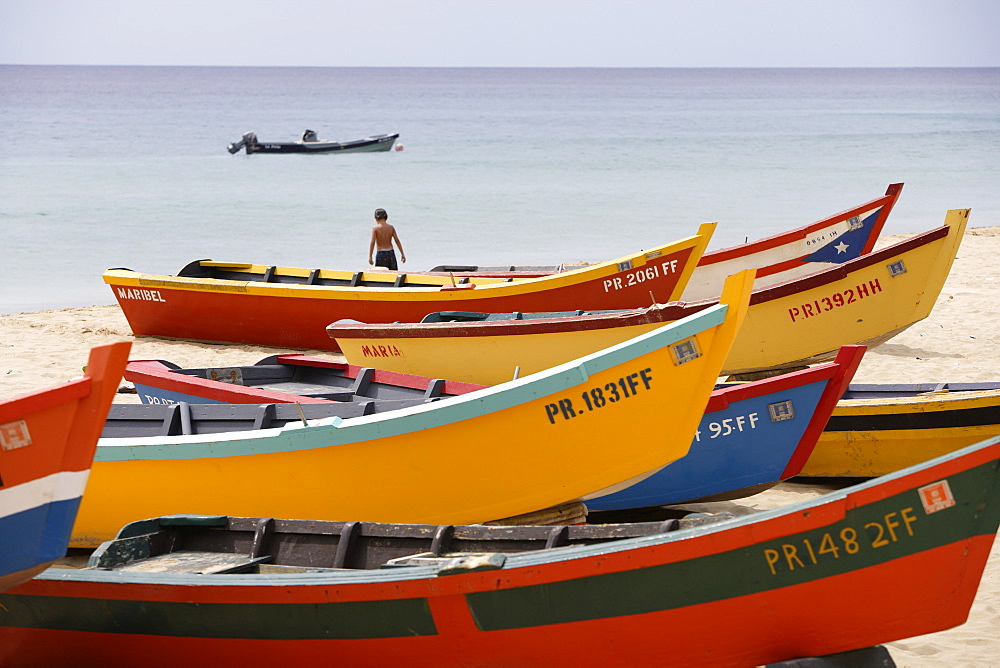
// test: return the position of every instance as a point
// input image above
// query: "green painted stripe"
(275, 621)
(745, 571)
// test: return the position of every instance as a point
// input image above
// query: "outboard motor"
(248, 140)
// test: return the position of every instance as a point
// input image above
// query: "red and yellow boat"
(291, 307)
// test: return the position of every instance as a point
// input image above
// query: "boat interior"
(336, 384)
(325, 277)
(221, 544)
(138, 420)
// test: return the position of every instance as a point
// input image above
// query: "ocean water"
(127, 166)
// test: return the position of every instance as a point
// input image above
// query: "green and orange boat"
(891, 558)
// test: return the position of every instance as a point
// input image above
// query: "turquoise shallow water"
(127, 166)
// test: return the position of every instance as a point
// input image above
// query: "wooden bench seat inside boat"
(267, 545)
(312, 381)
(135, 420)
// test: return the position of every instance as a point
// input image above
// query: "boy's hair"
(380, 214)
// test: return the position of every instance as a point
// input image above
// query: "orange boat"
(47, 444)
(892, 558)
(291, 307)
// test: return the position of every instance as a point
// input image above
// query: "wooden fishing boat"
(864, 301)
(891, 558)
(879, 428)
(550, 433)
(372, 144)
(289, 307)
(282, 378)
(751, 437)
(778, 258)
(47, 442)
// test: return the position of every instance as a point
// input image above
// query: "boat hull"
(778, 258)
(872, 437)
(865, 301)
(550, 433)
(890, 559)
(252, 310)
(797, 253)
(751, 437)
(374, 144)
(48, 440)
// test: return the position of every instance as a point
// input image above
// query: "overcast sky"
(510, 33)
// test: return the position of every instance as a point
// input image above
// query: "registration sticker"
(14, 435)
(936, 496)
(897, 268)
(780, 411)
(685, 351)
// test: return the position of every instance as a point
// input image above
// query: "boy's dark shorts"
(387, 259)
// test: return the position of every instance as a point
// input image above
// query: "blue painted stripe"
(482, 402)
(36, 536)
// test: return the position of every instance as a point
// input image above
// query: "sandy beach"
(960, 341)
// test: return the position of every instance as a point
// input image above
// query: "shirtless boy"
(383, 234)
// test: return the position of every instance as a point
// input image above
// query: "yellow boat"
(585, 427)
(867, 300)
(878, 429)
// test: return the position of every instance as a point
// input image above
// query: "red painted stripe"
(847, 361)
(720, 399)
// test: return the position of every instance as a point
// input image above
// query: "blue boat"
(752, 436)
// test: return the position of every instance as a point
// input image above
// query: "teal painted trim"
(463, 407)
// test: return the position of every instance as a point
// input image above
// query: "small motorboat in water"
(310, 143)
